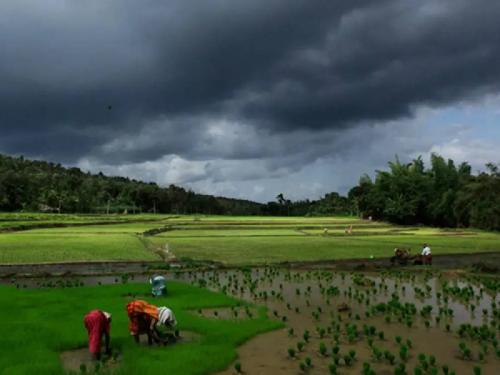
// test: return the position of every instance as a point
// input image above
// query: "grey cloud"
(278, 81)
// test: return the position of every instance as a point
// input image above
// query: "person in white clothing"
(426, 254)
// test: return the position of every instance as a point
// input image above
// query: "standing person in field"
(426, 254)
(144, 318)
(98, 324)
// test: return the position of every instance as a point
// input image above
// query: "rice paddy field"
(252, 295)
(34, 238)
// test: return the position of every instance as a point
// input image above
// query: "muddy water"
(309, 300)
(297, 299)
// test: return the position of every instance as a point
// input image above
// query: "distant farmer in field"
(426, 254)
(425, 257)
(98, 324)
(145, 318)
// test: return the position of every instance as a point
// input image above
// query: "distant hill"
(34, 185)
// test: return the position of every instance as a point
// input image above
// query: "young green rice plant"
(352, 354)
(403, 353)
(409, 343)
(432, 360)
(400, 369)
(306, 335)
(477, 370)
(377, 354)
(302, 367)
(300, 346)
(291, 332)
(291, 352)
(464, 350)
(322, 349)
(332, 369)
(237, 367)
(347, 360)
(308, 361)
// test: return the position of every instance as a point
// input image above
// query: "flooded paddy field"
(368, 323)
(386, 321)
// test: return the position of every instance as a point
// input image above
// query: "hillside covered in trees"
(41, 186)
(442, 195)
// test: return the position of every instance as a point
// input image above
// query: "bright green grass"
(257, 250)
(230, 233)
(102, 229)
(37, 325)
(24, 247)
(234, 240)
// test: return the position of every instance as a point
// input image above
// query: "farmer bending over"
(144, 319)
(97, 323)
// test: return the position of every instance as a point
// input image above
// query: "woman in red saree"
(98, 324)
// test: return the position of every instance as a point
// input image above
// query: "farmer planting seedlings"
(98, 324)
(145, 318)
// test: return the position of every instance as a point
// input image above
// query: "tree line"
(31, 185)
(444, 195)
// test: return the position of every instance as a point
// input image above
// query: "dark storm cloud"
(169, 69)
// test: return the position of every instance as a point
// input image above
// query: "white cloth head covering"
(107, 315)
(166, 316)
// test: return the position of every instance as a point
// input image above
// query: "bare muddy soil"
(72, 361)
(490, 261)
(308, 301)
(74, 268)
(236, 313)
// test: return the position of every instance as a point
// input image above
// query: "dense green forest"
(41, 186)
(442, 195)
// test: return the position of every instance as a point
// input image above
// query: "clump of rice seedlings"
(291, 352)
(367, 370)
(464, 350)
(308, 362)
(302, 367)
(400, 369)
(388, 356)
(332, 369)
(477, 370)
(306, 335)
(352, 354)
(300, 346)
(291, 332)
(348, 360)
(403, 353)
(409, 343)
(322, 349)
(377, 354)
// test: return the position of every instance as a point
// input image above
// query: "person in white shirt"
(426, 254)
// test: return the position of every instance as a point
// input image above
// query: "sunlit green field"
(38, 327)
(226, 239)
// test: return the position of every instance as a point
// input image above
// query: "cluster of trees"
(443, 195)
(331, 204)
(41, 186)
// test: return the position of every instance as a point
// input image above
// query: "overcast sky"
(249, 98)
